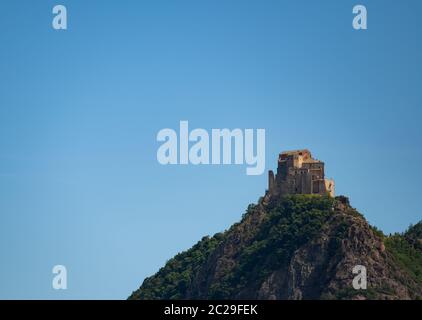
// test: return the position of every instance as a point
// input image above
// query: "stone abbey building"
(299, 173)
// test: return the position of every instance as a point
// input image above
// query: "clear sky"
(80, 109)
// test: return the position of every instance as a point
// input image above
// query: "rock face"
(294, 247)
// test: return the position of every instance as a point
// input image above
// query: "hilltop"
(297, 246)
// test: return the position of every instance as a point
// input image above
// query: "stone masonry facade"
(299, 173)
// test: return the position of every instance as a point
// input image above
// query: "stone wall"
(299, 173)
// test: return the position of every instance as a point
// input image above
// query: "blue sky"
(80, 109)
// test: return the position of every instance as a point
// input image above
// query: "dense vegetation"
(406, 249)
(171, 281)
(414, 236)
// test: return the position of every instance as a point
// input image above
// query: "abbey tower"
(299, 173)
